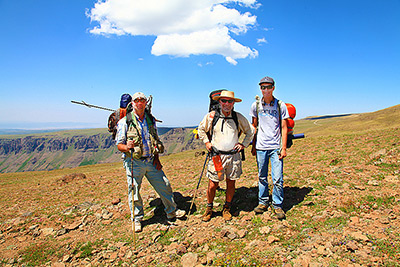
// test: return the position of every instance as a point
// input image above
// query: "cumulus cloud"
(182, 27)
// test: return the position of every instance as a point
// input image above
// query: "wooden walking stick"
(133, 202)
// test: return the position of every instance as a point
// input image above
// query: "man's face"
(267, 88)
(139, 104)
(226, 104)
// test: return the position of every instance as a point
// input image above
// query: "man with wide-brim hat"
(227, 94)
(219, 130)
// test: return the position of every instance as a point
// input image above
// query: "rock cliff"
(48, 152)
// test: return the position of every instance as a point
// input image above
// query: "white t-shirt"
(269, 131)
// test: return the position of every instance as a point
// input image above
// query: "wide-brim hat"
(227, 94)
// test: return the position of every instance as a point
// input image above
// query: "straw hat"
(227, 94)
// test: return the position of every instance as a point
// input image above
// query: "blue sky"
(327, 57)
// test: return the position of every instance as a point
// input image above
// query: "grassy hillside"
(342, 199)
(382, 119)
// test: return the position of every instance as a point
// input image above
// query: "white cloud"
(182, 27)
(262, 41)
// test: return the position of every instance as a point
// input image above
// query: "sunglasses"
(230, 101)
(263, 87)
(137, 100)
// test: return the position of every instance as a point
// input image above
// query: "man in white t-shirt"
(269, 144)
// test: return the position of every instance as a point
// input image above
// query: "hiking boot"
(138, 226)
(207, 215)
(280, 214)
(261, 208)
(176, 214)
(226, 214)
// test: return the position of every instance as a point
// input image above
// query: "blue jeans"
(155, 177)
(263, 157)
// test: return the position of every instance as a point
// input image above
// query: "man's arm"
(204, 128)
(254, 122)
(284, 139)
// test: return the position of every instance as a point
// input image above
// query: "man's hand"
(253, 150)
(209, 146)
(282, 153)
(238, 147)
(130, 145)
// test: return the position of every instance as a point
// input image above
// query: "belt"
(230, 152)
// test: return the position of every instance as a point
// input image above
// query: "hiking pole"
(83, 103)
(198, 184)
(133, 202)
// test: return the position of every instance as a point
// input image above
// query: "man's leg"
(162, 186)
(211, 189)
(137, 212)
(263, 192)
(277, 179)
(230, 192)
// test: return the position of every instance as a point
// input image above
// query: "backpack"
(290, 121)
(118, 114)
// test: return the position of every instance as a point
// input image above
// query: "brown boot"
(207, 215)
(226, 214)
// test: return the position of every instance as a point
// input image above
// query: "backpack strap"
(217, 115)
(280, 120)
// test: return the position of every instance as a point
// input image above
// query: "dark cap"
(267, 79)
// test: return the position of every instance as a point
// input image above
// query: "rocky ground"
(342, 200)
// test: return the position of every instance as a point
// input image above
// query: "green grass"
(37, 254)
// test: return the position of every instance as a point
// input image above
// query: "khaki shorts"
(232, 165)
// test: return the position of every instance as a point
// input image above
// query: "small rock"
(352, 246)
(116, 201)
(232, 236)
(355, 219)
(106, 215)
(359, 236)
(373, 182)
(189, 259)
(129, 254)
(223, 233)
(384, 220)
(242, 233)
(67, 258)
(377, 154)
(47, 231)
(265, 230)
(33, 227)
(181, 250)
(73, 225)
(58, 264)
(271, 239)
(320, 250)
(359, 187)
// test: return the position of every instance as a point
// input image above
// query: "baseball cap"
(138, 95)
(267, 79)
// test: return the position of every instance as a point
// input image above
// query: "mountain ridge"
(72, 148)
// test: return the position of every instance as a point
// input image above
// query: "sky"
(326, 57)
